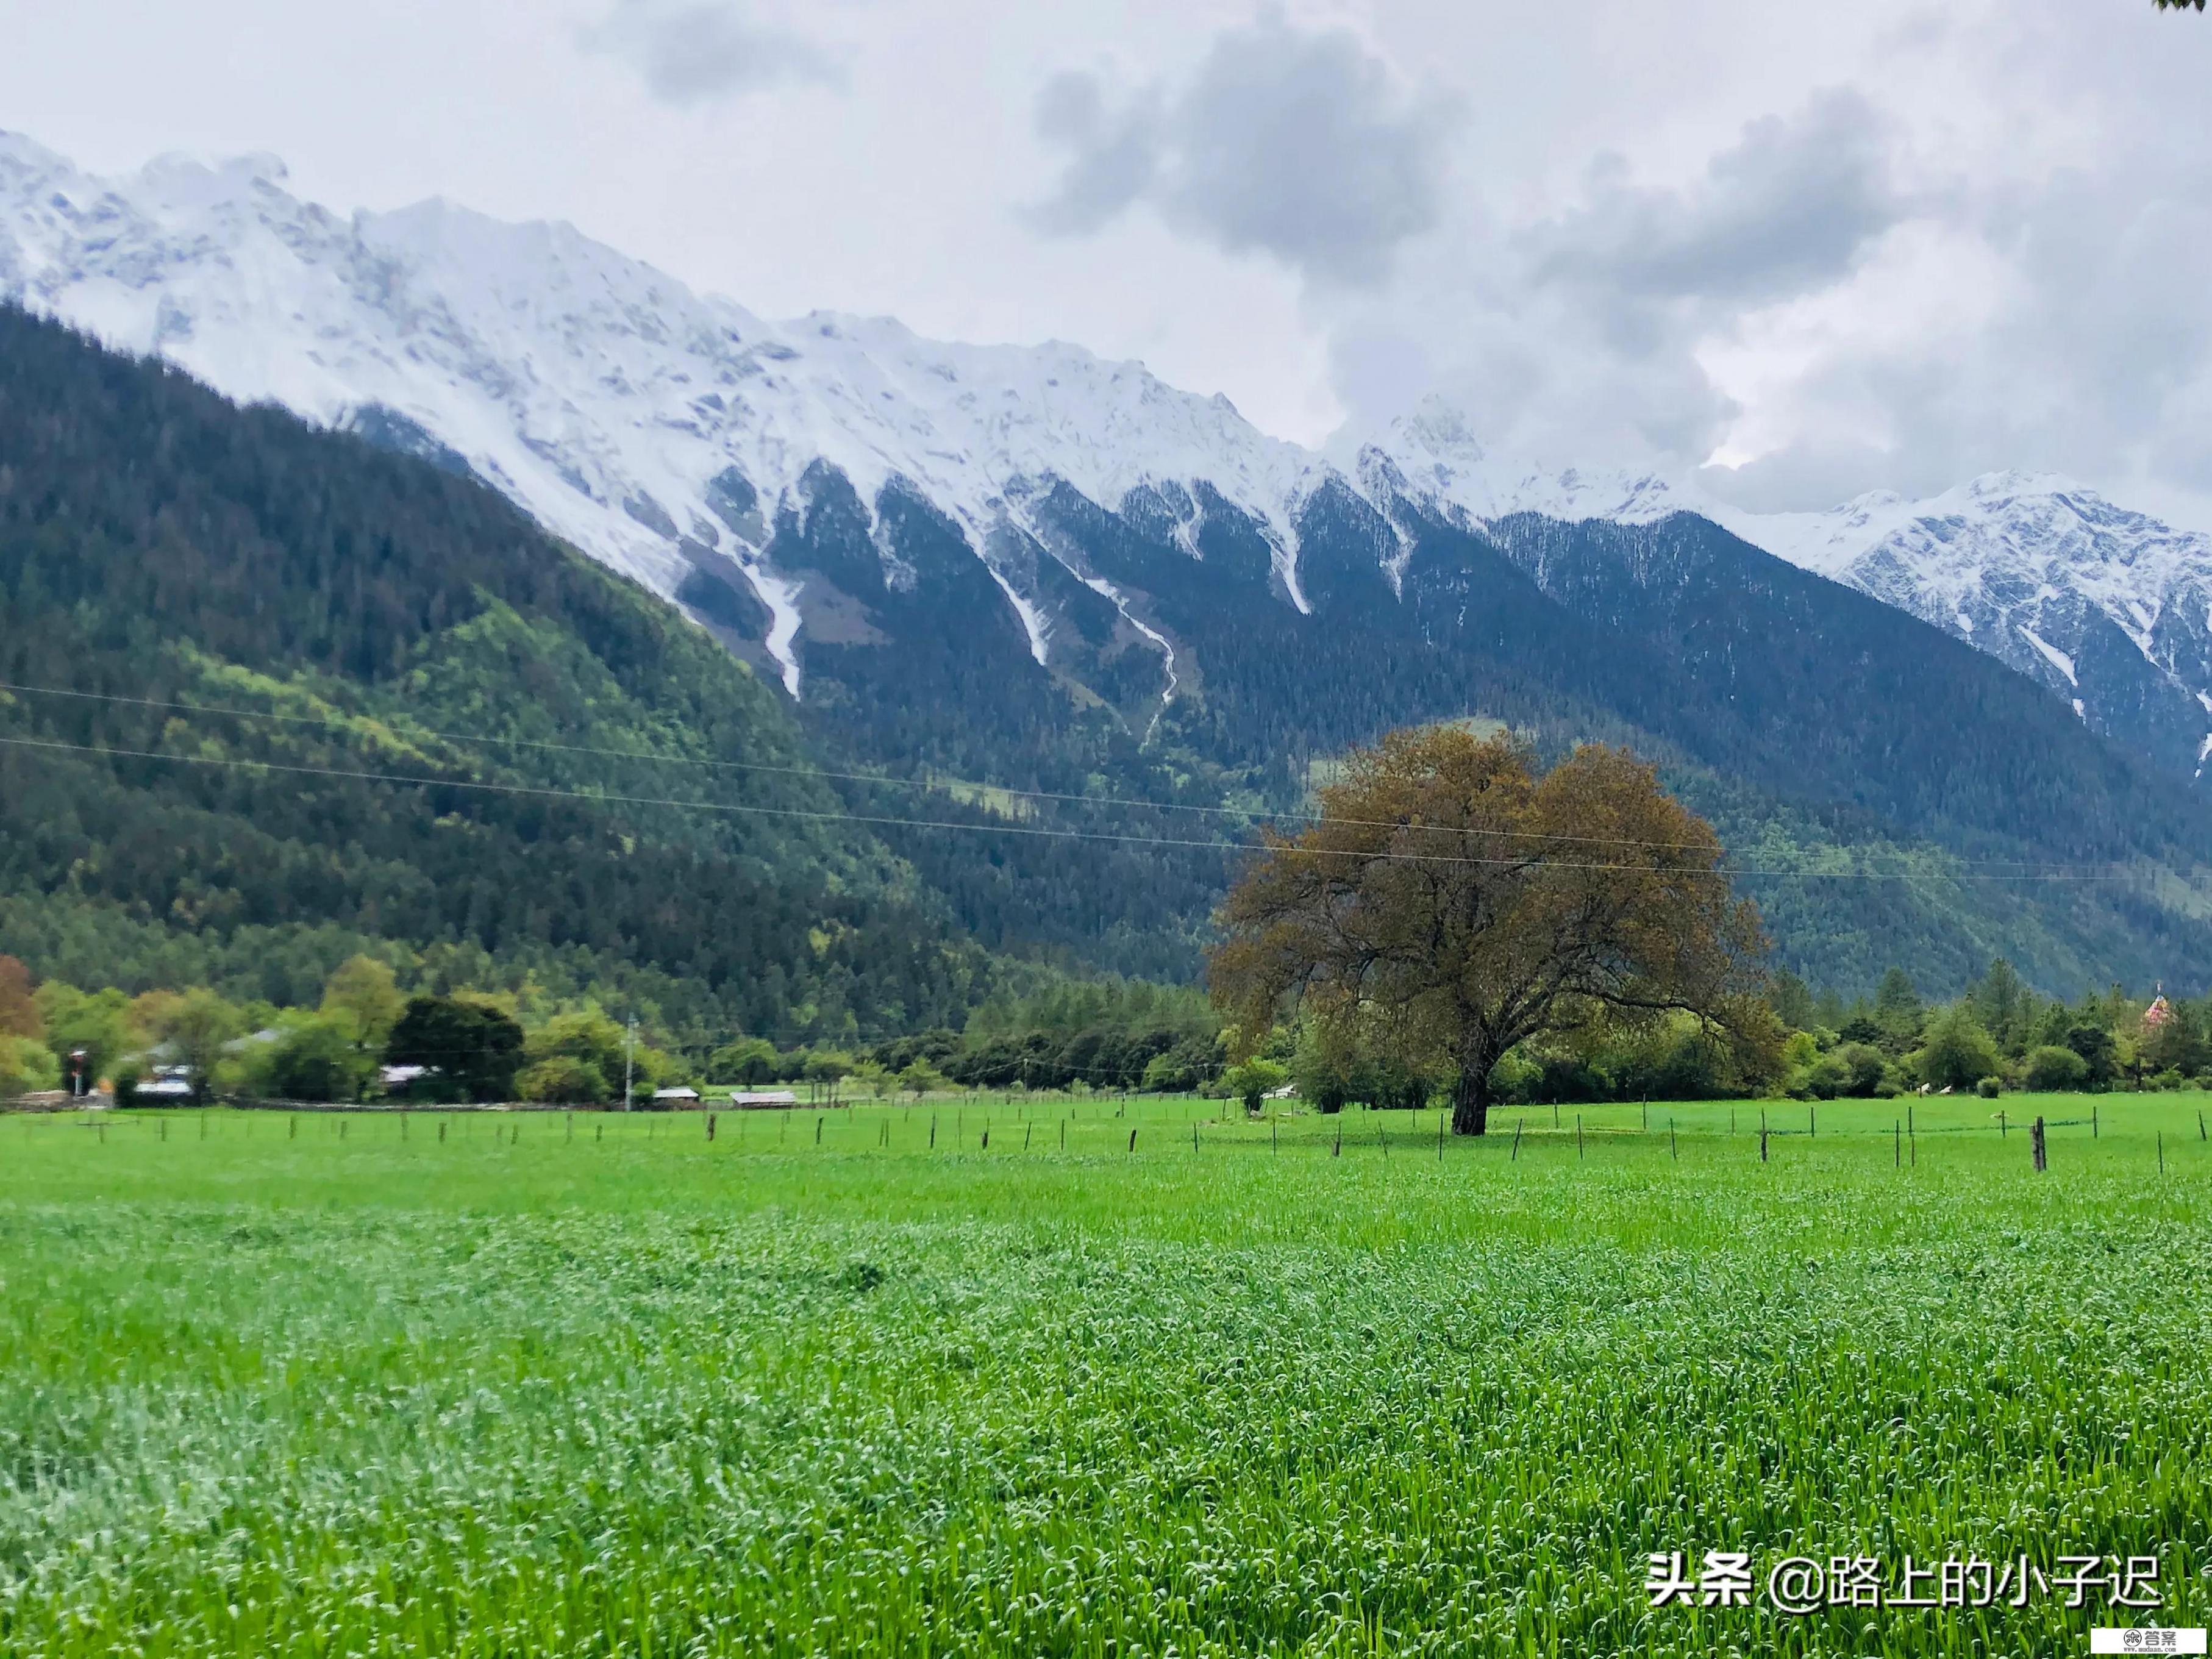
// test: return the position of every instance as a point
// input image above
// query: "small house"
(167, 1083)
(743, 1100)
(674, 1100)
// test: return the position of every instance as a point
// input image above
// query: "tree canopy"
(1470, 904)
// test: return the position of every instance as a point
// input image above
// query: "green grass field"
(541, 1385)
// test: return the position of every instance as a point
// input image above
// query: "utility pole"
(630, 1058)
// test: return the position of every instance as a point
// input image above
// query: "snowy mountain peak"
(612, 402)
(665, 431)
(2110, 608)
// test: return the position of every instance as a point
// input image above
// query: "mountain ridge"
(648, 424)
(1031, 568)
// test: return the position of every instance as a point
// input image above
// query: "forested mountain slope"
(1889, 795)
(981, 567)
(158, 546)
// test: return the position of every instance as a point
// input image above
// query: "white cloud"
(1887, 244)
(692, 52)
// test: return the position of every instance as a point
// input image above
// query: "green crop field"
(506, 1384)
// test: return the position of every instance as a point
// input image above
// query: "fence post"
(1133, 1139)
(2035, 1143)
(1578, 1134)
(1674, 1147)
(1517, 1123)
(710, 1126)
(1896, 1145)
(2004, 1128)
(1762, 1143)
(1194, 1134)
(2095, 1131)
(2161, 1152)
(1339, 1152)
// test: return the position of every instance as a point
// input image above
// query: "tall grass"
(633, 1392)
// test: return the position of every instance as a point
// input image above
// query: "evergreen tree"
(1897, 1008)
(477, 1048)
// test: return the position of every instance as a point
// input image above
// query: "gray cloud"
(2089, 356)
(695, 53)
(1302, 146)
(1114, 156)
(1955, 269)
(1577, 338)
(1788, 207)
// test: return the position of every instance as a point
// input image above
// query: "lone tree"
(1473, 904)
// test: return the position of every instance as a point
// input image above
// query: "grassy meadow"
(479, 1383)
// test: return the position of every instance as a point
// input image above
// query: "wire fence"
(1100, 1127)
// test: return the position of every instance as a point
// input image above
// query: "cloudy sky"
(1800, 250)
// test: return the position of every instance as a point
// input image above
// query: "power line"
(541, 792)
(950, 787)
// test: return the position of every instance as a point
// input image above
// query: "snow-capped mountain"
(684, 440)
(644, 423)
(2110, 608)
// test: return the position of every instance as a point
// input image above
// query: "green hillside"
(369, 614)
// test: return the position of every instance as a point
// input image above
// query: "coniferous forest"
(277, 698)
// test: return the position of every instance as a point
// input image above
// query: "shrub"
(1988, 1088)
(1864, 1067)
(477, 1046)
(1253, 1081)
(318, 1060)
(564, 1080)
(1958, 1050)
(1826, 1078)
(2053, 1070)
(920, 1077)
(2100, 1054)
(26, 1067)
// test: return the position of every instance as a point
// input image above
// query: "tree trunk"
(1471, 1099)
